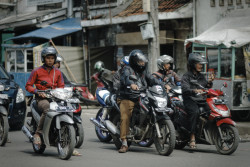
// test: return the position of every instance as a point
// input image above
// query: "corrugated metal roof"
(135, 8)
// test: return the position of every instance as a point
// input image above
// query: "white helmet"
(59, 59)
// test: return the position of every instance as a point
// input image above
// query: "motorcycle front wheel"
(165, 145)
(102, 135)
(79, 135)
(230, 141)
(66, 146)
(4, 129)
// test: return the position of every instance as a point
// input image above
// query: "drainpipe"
(70, 9)
(194, 18)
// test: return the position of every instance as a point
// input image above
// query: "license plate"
(64, 109)
(3, 96)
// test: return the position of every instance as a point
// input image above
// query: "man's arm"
(29, 85)
(60, 82)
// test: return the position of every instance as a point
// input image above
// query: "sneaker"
(123, 149)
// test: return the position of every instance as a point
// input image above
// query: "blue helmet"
(124, 61)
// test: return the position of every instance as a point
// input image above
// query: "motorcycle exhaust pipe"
(111, 127)
(27, 133)
(98, 124)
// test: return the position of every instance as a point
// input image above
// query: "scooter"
(214, 126)
(58, 129)
(4, 125)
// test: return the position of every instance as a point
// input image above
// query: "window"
(101, 2)
(19, 61)
(213, 59)
(230, 2)
(240, 71)
(221, 2)
(49, 6)
(247, 1)
(226, 61)
(238, 2)
(212, 3)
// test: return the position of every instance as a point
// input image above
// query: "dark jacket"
(143, 81)
(188, 88)
(169, 77)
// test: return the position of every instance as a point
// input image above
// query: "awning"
(58, 29)
(231, 32)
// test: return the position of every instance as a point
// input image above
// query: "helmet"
(59, 59)
(99, 66)
(134, 58)
(124, 61)
(195, 58)
(48, 51)
(164, 59)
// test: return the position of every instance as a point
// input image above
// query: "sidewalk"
(243, 127)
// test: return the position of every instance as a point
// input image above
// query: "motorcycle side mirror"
(44, 83)
(225, 84)
(133, 77)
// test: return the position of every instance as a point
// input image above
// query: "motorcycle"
(4, 125)
(149, 120)
(58, 129)
(214, 126)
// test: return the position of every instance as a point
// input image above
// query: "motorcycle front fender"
(226, 121)
(63, 118)
(162, 117)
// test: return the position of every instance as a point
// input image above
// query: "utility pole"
(84, 16)
(153, 43)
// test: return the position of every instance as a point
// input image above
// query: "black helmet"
(195, 58)
(164, 59)
(134, 58)
(48, 51)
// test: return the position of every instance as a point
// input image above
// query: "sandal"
(37, 140)
(76, 153)
(192, 146)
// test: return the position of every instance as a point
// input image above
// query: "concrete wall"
(207, 16)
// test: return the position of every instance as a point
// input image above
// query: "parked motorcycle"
(149, 120)
(58, 129)
(4, 125)
(214, 127)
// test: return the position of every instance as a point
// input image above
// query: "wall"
(207, 16)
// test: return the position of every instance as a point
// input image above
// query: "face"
(167, 66)
(198, 67)
(49, 60)
(57, 65)
(141, 63)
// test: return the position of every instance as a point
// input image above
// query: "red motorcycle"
(214, 126)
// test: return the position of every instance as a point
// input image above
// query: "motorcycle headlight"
(2, 88)
(224, 113)
(61, 93)
(161, 102)
(20, 96)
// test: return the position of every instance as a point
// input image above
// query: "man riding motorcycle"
(195, 62)
(129, 91)
(165, 73)
(53, 76)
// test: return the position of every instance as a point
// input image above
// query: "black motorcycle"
(4, 125)
(149, 120)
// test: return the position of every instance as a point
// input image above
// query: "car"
(17, 102)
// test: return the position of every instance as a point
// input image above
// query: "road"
(19, 153)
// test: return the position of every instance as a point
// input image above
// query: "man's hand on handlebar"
(41, 94)
(167, 87)
(198, 91)
(134, 87)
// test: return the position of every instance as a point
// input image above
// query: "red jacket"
(41, 74)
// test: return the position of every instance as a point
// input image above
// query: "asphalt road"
(19, 153)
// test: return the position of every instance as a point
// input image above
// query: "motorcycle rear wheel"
(229, 144)
(166, 144)
(79, 135)
(102, 135)
(4, 129)
(66, 146)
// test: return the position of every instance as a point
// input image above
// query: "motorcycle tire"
(102, 135)
(116, 139)
(165, 145)
(231, 139)
(79, 135)
(4, 129)
(66, 146)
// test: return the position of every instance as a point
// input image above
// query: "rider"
(104, 75)
(129, 90)
(53, 76)
(165, 74)
(57, 64)
(195, 62)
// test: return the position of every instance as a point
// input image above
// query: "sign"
(41, 2)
